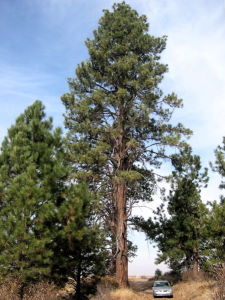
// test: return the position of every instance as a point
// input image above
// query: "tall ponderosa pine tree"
(118, 119)
(31, 186)
(180, 231)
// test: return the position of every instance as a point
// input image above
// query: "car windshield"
(161, 283)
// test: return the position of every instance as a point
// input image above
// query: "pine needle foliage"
(118, 119)
(179, 225)
(219, 165)
(31, 185)
(47, 222)
(216, 221)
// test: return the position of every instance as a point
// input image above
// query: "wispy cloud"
(195, 54)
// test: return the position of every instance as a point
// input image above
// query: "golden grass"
(127, 294)
(197, 290)
(9, 290)
(190, 290)
(137, 278)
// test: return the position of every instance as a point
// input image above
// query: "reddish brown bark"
(120, 202)
(120, 196)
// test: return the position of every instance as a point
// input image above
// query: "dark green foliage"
(48, 227)
(115, 98)
(216, 220)
(216, 234)
(158, 273)
(117, 118)
(31, 186)
(179, 231)
(79, 250)
(219, 165)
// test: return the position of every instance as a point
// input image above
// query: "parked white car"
(162, 288)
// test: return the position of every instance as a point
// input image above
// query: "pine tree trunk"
(21, 290)
(78, 280)
(120, 193)
(195, 261)
(113, 255)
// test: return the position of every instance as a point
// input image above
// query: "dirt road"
(140, 289)
(142, 286)
(197, 290)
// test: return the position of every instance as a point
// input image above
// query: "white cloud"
(198, 70)
(195, 53)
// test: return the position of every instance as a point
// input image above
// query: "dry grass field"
(140, 290)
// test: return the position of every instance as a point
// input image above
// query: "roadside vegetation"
(139, 290)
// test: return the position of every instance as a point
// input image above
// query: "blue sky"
(42, 41)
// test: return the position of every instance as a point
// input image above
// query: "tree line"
(66, 200)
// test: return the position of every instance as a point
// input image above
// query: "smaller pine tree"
(216, 220)
(31, 184)
(48, 226)
(216, 234)
(178, 229)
